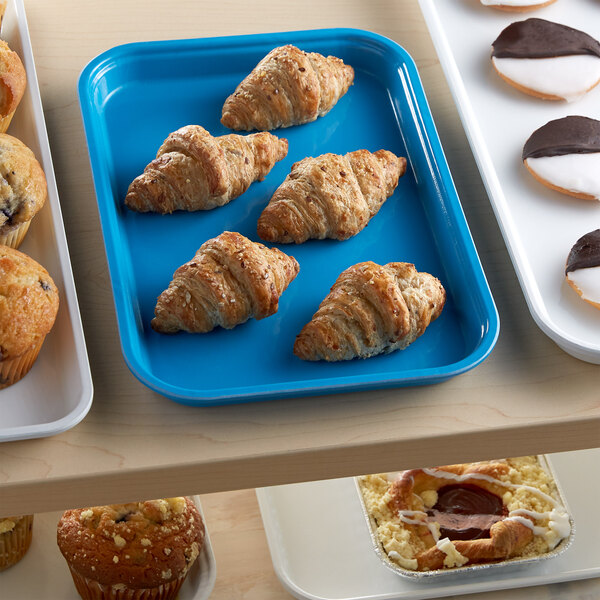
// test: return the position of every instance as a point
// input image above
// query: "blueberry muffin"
(23, 189)
(138, 551)
(28, 306)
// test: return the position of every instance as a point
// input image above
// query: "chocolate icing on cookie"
(538, 38)
(569, 135)
(585, 253)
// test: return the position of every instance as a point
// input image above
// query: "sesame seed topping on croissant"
(287, 87)
(330, 196)
(195, 171)
(371, 309)
(229, 280)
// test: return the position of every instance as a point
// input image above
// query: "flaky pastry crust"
(371, 309)
(229, 280)
(330, 196)
(287, 87)
(507, 537)
(195, 171)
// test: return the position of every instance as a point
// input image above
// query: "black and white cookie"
(564, 154)
(517, 5)
(583, 267)
(547, 60)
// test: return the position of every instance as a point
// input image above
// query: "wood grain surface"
(528, 397)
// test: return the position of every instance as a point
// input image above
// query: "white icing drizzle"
(568, 77)
(530, 513)
(405, 517)
(558, 528)
(528, 523)
(453, 557)
(408, 563)
(440, 474)
(578, 173)
(559, 525)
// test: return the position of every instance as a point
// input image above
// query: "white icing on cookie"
(513, 2)
(587, 282)
(568, 77)
(578, 173)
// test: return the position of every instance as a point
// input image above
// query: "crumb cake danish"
(455, 515)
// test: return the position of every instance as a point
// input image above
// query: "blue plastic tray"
(133, 96)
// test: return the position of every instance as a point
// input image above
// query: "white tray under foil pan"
(476, 568)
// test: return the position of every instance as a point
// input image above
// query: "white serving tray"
(539, 225)
(43, 568)
(321, 546)
(57, 393)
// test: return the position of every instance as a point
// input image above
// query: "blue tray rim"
(197, 397)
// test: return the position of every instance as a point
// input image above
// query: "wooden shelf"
(244, 567)
(528, 397)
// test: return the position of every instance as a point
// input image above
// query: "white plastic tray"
(57, 393)
(321, 546)
(43, 568)
(539, 225)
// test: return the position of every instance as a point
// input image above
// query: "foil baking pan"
(474, 568)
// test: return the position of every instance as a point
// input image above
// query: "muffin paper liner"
(14, 544)
(5, 121)
(15, 237)
(15, 369)
(90, 589)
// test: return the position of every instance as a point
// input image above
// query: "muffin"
(13, 80)
(23, 189)
(15, 538)
(28, 307)
(137, 551)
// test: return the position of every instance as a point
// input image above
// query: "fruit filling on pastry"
(455, 515)
(466, 512)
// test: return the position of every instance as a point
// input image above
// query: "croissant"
(195, 171)
(287, 87)
(229, 280)
(507, 537)
(330, 196)
(370, 310)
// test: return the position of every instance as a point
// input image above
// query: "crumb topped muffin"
(140, 550)
(23, 189)
(28, 307)
(15, 539)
